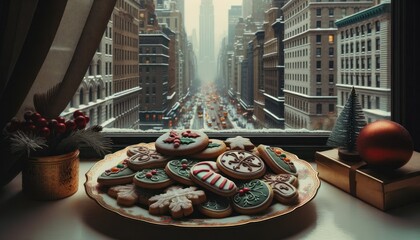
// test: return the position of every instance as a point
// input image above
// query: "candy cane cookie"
(205, 174)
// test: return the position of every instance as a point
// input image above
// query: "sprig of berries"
(35, 123)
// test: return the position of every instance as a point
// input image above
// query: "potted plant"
(50, 148)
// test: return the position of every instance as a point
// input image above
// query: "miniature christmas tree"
(347, 128)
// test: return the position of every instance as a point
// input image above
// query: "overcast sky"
(221, 7)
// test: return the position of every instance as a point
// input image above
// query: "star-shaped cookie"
(239, 143)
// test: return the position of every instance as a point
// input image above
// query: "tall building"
(234, 14)
(95, 95)
(258, 78)
(125, 58)
(154, 76)
(247, 8)
(310, 48)
(207, 64)
(364, 60)
(273, 66)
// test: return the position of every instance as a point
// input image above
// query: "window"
(318, 12)
(331, 39)
(319, 108)
(318, 91)
(377, 103)
(369, 45)
(378, 81)
(331, 78)
(331, 108)
(318, 78)
(331, 24)
(318, 52)
(330, 91)
(318, 24)
(331, 64)
(378, 62)
(318, 65)
(377, 26)
(331, 51)
(318, 39)
(331, 12)
(377, 44)
(369, 28)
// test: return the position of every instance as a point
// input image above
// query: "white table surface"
(332, 214)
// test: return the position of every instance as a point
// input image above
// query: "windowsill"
(331, 214)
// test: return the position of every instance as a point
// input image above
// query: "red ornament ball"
(385, 144)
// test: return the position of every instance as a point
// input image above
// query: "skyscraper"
(207, 66)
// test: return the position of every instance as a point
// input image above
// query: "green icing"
(122, 173)
(257, 195)
(216, 203)
(160, 175)
(279, 160)
(213, 145)
(187, 140)
(176, 166)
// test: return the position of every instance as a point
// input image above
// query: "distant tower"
(206, 61)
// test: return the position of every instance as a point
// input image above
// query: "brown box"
(384, 190)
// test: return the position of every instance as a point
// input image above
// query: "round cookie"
(206, 175)
(277, 159)
(239, 143)
(215, 206)
(141, 157)
(283, 186)
(241, 164)
(117, 175)
(212, 151)
(152, 178)
(181, 143)
(179, 170)
(252, 197)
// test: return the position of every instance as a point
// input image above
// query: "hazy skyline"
(221, 7)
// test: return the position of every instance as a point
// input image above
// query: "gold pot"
(51, 177)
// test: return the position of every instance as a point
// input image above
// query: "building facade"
(311, 60)
(206, 59)
(364, 57)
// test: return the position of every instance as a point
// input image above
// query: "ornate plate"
(308, 187)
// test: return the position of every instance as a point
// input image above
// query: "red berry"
(60, 119)
(35, 116)
(45, 132)
(78, 113)
(70, 125)
(149, 175)
(28, 115)
(87, 119)
(61, 128)
(41, 122)
(80, 122)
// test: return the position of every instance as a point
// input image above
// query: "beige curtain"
(29, 32)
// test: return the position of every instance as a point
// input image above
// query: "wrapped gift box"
(381, 189)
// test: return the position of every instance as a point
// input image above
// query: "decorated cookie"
(152, 178)
(212, 151)
(215, 206)
(177, 200)
(206, 175)
(239, 143)
(283, 186)
(117, 175)
(240, 164)
(141, 157)
(179, 170)
(252, 197)
(129, 194)
(181, 143)
(277, 159)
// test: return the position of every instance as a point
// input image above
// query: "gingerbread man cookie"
(241, 164)
(142, 157)
(283, 186)
(239, 143)
(181, 143)
(177, 200)
(129, 194)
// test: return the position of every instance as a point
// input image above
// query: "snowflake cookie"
(177, 200)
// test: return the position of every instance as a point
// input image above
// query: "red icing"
(205, 177)
(223, 183)
(215, 179)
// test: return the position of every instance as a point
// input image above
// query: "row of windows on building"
(125, 69)
(366, 101)
(124, 25)
(319, 65)
(124, 40)
(362, 46)
(361, 80)
(96, 69)
(331, 11)
(360, 63)
(153, 50)
(123, 55)
(125, 83)
(360, 30)
(154, 59)
(304, 106)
